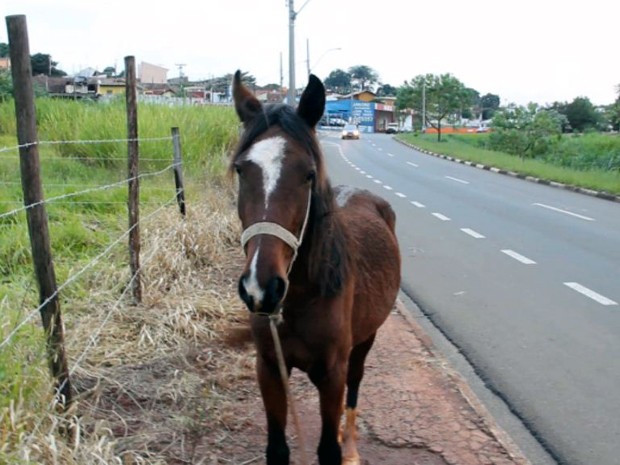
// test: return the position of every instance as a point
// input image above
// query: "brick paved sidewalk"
(411, 399)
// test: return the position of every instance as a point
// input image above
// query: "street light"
(320, 58)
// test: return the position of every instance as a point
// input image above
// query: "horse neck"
(322, 261)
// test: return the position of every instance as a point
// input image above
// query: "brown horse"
(327, 259)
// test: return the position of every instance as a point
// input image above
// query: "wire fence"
(72, 198)
(34, 207)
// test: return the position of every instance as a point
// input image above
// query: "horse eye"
(311, 176)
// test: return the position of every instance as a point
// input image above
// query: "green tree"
(338, 81)
(582, 115)
(489, 104)
(526, 131)
(222, 83)
(4, 50)
(42, 63)
(614, 112)
(471, 104)
(441, 96)
(6, 85)
(386, 90)
(363, 76)
(109, 71)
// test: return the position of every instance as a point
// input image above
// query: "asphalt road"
(522, 278)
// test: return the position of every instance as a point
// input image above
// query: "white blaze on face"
(251, 283)
(268, 154)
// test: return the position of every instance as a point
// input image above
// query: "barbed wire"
(92, 158)
(90, 186)
(80, 202)
(87, 191)
(94, 336)
(92, 141)
(74, 277)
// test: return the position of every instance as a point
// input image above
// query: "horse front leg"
(355, 374)
(274, 401)
(330, 385)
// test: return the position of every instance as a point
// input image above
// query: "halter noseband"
(274, 229)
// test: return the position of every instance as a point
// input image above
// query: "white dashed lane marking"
(601, 299)
(519, 257)
(576, 215)
(472, 233)
(441, 217)
(457, 180)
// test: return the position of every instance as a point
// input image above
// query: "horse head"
(279, 171)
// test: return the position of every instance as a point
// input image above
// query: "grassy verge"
(82, 229)
(605, 181)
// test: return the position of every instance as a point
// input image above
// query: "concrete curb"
(580, 190)
(463, 387)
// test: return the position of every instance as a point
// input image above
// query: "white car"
(350, 131)
(391, 128)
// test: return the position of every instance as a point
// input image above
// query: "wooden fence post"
(178, 170)
(36, 215)
(133, 183)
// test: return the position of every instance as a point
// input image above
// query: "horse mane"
(327, 262)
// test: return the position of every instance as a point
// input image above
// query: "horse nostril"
(247, 298)
(274, 293)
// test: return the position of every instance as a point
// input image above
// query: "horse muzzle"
(264, 299)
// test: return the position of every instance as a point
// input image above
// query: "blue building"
(369, 116)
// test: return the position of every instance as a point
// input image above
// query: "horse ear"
(246, 104)
(312, 102)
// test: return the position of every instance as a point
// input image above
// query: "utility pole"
(292, 15)
(308, 55)
(281, 74)
(423, 105)
(291, 96)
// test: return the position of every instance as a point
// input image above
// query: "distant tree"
(526, 131)
(222, 83)
(109, 71)
(338, 81)
(386, 90)
(560, 107)
(271, 87)
(42, 64)
(444, 95)
(582, 115)
(471, 104)
(4, 50)
(489, 104)
(614, 112)
(364, 76)
(6, 85)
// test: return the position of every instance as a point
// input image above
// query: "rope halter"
(274, 229)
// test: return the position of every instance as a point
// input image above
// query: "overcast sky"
(541, 51)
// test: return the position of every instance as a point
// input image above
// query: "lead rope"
(275, 229)
(273, 321)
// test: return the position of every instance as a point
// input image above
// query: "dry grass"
(151, 379)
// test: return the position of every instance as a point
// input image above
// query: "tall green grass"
(82, 227)
(560, 166)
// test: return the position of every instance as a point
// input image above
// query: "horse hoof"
(351, 460)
